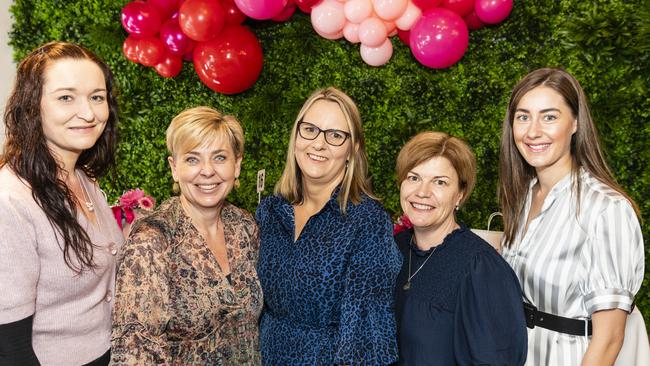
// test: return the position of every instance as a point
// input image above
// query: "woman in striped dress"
(572, 234)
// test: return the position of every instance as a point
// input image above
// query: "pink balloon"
(261, 9)
(390, 26)
(426, 4)
(350, 32)
(328, 17)
(165, 7)
(372, 32)
(176, 42)
(409, 17)
(439, 39)
(493, 11)
(141, 19)
(286, 13)
(460, 7)
(389, 9)
(306, 5)
(234, 16)
(473, 22)
(357, 11)
(332, 36)
(377, 56)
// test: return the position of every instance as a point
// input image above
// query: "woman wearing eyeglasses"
(328, 262)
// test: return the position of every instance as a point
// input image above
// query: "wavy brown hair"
(515, 173)
(26, 151)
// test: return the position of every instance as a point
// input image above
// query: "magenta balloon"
(177, 42)
(493, 11)
(141, 19)
(261, 9)
(439, 39)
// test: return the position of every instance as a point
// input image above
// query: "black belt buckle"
(531, 313)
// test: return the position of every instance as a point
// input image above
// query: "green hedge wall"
(604, 43)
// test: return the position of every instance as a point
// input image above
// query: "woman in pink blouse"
(59, 240)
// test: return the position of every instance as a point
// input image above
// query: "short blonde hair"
(427, 145)
(355, 181)
(195, 126)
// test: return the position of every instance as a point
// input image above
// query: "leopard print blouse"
(174, 306)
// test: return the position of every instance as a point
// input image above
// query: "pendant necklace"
(408, 281)
(87, 201)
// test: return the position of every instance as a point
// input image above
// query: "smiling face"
(320, 162)
(206, 174)
(74, 106)
(542, 128)
(430, 193)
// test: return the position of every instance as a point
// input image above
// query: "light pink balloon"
(439, 39)
(357, 11)
(332, 36)
(372, 32)
(351, 32)
(410, 16)
(377, 56)
(261, 9)
(493, 11)
(390, 26)
(389, 9)
(328, 17)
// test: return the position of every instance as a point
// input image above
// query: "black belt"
(556, 323)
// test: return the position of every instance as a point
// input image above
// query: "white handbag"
(492, 237)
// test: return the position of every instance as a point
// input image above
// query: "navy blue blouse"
(463, 307)
(328, 297)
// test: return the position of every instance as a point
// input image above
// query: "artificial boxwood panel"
(605, 44)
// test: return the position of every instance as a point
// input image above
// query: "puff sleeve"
(489, 323)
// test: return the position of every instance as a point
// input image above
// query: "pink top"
(72, 313)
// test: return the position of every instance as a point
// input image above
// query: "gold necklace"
(87, 201)
(407, 286)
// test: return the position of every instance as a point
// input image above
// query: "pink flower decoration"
(402, 224)
(147, 203)
(130, 198)
(117, 212)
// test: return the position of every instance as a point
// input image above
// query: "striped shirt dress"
(575, 260)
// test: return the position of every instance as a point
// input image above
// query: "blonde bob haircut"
(428, 145)
(355, 181)
(196, 126)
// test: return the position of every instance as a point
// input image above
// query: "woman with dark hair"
(328, 261)
(571, 232)
(59, 239)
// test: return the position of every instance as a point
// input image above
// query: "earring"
(457, 208)
(236, 182)
(176, 188)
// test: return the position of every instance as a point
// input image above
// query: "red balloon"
(426, 4)
(150, 51)
(404, 36)
(201, 20)
(130, 49)
(286, 13)
(493, 11)
(460, 7)
(141, 19)
(188, 56)
(169, 66)
(439, 39)
(231, 62)
(306, 5)
(165, 7)
(473, 22)
(233, 14)
(177, 42)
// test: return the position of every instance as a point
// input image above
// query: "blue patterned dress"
(328, 295)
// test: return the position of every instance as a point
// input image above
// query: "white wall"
(7, 67)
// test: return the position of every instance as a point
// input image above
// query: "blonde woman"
(328, 261)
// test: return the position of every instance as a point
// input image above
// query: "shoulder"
(162, 222)
(268, 205)
(369, 210)
(13, 186)
(595, 191)
(477, 252)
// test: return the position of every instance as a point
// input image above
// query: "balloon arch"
(228, 57)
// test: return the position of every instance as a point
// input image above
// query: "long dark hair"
(26, 151)
(515, 173)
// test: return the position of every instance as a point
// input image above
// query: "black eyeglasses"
(309, 131)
